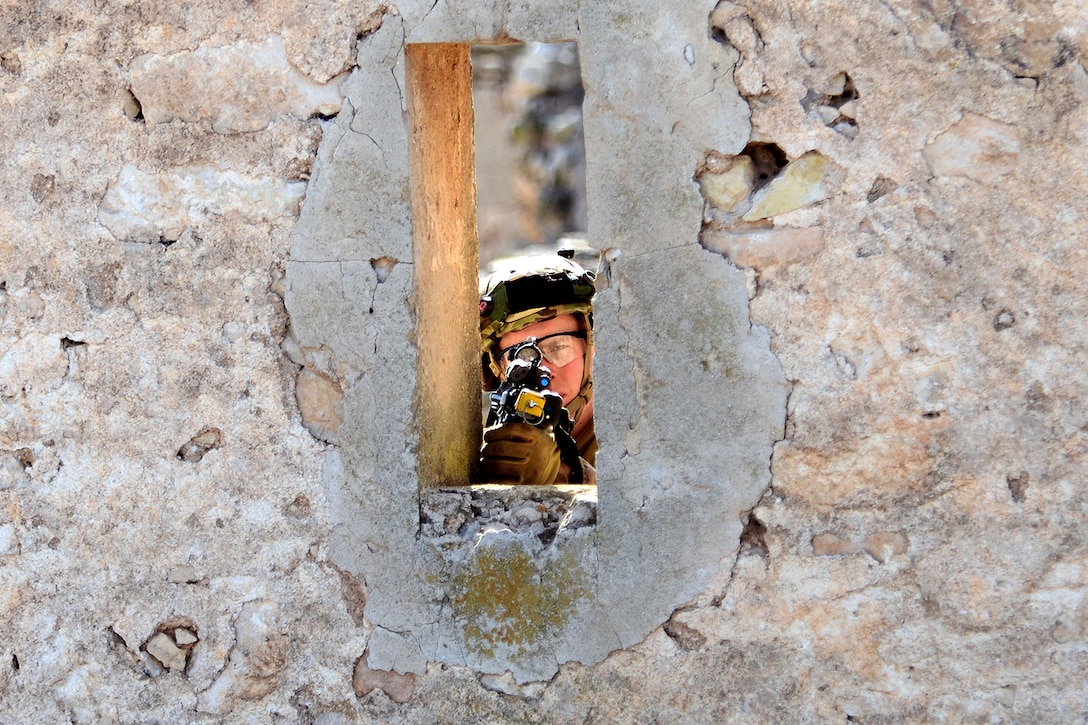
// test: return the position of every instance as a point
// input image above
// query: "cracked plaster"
(673, 336)
(932, 334)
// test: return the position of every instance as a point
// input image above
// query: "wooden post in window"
(442, 169)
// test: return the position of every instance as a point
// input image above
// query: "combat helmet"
(530, 289)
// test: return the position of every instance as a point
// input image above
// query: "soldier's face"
(566, 380)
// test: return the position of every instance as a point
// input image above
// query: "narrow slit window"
(531, 204)
(529, 193)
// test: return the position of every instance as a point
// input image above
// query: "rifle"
(525, 396)
(524, 393)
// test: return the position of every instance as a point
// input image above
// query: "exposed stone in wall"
(141, 207)
(397, 687)
(975, 147)
(951, 260)
(118, 356)
(319, 400)
(261, 85)
(256, 661)
(919, 554)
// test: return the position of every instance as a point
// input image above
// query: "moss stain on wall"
(507, 600)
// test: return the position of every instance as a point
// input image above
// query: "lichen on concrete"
(506, 596)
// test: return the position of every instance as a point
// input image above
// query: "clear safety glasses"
(560, 348)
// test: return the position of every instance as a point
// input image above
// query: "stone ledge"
(452, 516)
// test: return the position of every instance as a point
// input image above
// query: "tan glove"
(519, 453)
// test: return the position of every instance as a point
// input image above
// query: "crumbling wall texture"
(910, 217)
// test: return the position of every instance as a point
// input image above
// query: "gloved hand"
(519, 453)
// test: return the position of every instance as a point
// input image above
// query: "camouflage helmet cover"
(527, 290)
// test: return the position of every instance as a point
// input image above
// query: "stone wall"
(894, 199)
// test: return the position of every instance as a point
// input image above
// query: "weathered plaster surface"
(917, 553)
(663, 525)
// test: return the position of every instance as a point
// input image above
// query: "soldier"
(547, 299)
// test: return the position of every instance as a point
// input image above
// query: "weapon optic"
(524, 394)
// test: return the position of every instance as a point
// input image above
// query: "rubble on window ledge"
(454, 516)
